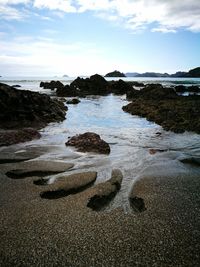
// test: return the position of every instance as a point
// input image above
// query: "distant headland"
(193, 73)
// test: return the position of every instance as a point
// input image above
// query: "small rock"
(89, 142)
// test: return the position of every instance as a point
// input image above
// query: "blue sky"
(83, 37)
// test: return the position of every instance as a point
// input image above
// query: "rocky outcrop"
(95, 85)
(73, 101)
(10, 137)
(119, 87)
(190, 89)
(172, 112)
(115, 74)
(67, 91)
(103, 193)
(52, 85)
(71, 184)
(89, 142)
(22, 108)
(38, 168)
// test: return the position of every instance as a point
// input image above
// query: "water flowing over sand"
(131, 138)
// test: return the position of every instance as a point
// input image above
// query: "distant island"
(65, 76)
(115, 74)
(193, 73)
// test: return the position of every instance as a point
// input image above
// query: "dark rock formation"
(120, 87)
(21, 108)
(51, 85)
(95, 85)
(104, 192)
(172, 112)
(157, 91)
(73, 101)
(190, 89)
(191, 160)
(136, 84)
(180, 88)
(153, 75)
(10, 137)
(71, 184)
(67, 91)
(152, 91)
(38, 168)
(16, 86)
(89, 142)
(115, 74)
(194, 73)
(137, 203)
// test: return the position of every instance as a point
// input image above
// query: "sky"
(84, 37)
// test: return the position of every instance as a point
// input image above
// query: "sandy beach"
(65, 232)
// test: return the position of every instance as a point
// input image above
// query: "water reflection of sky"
(103, 112)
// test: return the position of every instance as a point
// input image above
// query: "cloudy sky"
(83, 37)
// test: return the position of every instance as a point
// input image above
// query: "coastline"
(65, 232)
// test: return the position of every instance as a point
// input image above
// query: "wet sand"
(65, 232)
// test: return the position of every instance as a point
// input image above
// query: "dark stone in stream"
(71, 184)
(16, 86)
(89, 142)
(73, 101)
(38, 168)
(103, 193)
(137, 203)
(192, 161)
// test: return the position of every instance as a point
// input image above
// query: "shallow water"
(130, 138)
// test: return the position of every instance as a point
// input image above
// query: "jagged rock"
(181, 88)
(73, 101)
(157, 91)
(38, 168)
(10, 137)
(166, 108)
(70, 184)
(136, 84)
(95, 85)
(89, 142)
(67, 91)
(104, 192)
(22, 108)
(51, 85)
(120, 87)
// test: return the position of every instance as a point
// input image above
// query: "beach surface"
(65, 232)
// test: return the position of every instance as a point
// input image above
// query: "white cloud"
(158, 15)
(61, 5)
(44, 56)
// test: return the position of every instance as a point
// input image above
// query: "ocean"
(131, 138)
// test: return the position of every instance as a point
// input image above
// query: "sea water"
(131, 138)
